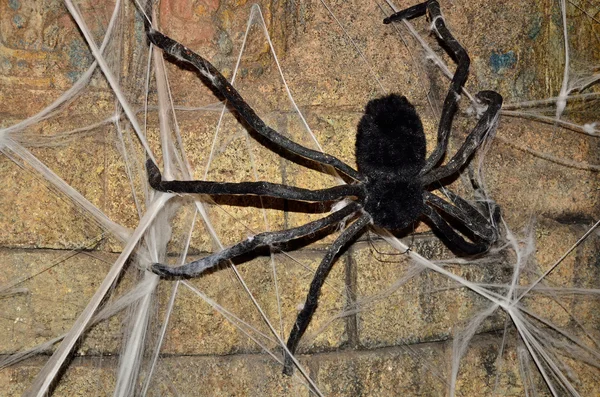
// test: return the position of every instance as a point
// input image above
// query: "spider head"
(390, 138)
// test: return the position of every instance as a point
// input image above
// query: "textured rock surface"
(397, 343)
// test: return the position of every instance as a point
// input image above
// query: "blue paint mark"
(18, 20)
(536, 28)
(502, 61)
(5, 63)
(79, 55)
(79, 59)
(14, 4)
(73, 76)
(139, 29)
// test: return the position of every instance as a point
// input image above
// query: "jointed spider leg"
(312, 299)
(251, 188)
(196, 268)
(469, 248)
(235, 100)
(493, 101)
(468, 215)
(458, 80)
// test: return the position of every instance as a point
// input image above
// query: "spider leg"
(312, 299)
(458, 80)
(235, 100)
(453, 237)
(418, 10)
(493, 101)
(251, 188)
(467, 214)
(196, 268)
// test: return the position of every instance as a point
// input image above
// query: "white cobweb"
(81, 311)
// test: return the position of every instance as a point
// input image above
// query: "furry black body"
(390, 152)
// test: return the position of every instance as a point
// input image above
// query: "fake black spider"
(388, 190)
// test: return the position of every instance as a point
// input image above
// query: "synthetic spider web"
(82, 226)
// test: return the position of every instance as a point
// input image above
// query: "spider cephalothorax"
(391, 188)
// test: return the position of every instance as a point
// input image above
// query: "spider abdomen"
(390, 138)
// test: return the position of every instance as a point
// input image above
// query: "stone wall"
(400, 340)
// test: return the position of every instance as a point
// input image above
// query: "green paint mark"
(502, 61)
